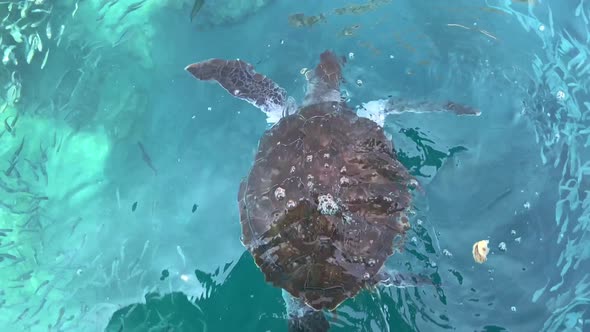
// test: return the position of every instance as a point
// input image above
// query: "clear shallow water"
(517, 174)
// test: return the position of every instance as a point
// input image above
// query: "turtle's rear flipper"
(314, 321)
(241, 81)
(324, 84)
(303, 318)
(377, 110)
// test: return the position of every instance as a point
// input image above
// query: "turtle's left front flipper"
(377, 110)
(241, 80)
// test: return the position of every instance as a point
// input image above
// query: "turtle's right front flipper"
(396, 279)
(241, 81)
(378, 110)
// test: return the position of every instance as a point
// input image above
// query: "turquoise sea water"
(93, 239)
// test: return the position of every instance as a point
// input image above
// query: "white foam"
(374, 110)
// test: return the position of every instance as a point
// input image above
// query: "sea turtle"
(326, 201)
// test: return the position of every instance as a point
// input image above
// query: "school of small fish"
(27, 31)
(30, 29)
(27, 34)
(31, 33)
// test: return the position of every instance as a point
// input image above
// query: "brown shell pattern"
(324, 204)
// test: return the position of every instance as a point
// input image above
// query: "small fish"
(75, 9)
(35, 256)
(132, 267)
(195, 206)
(102, 4)
(121, 37)
(44, 283)
(6, 56)
(131, 311)
(22, 315)
(13, 59)
(45, 59)
(39, 22)
(134, 207)
(7, 126)
(146, 158)
(118, 196)
(48, 31)
(112, 3)
(62, 311)
(16, 34)
(196, 8)
(29, 326)
(75, 224)
(122, 250)
(9, 256)
(5, 18)
(24, 9)
(61, 32)
(145, 247)
(41, 11)
(30, 53)
(25, 276)
(39, 42)
(131, 8)
(101, 16)
(181, 254)
(17, 152)
(40, 307)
